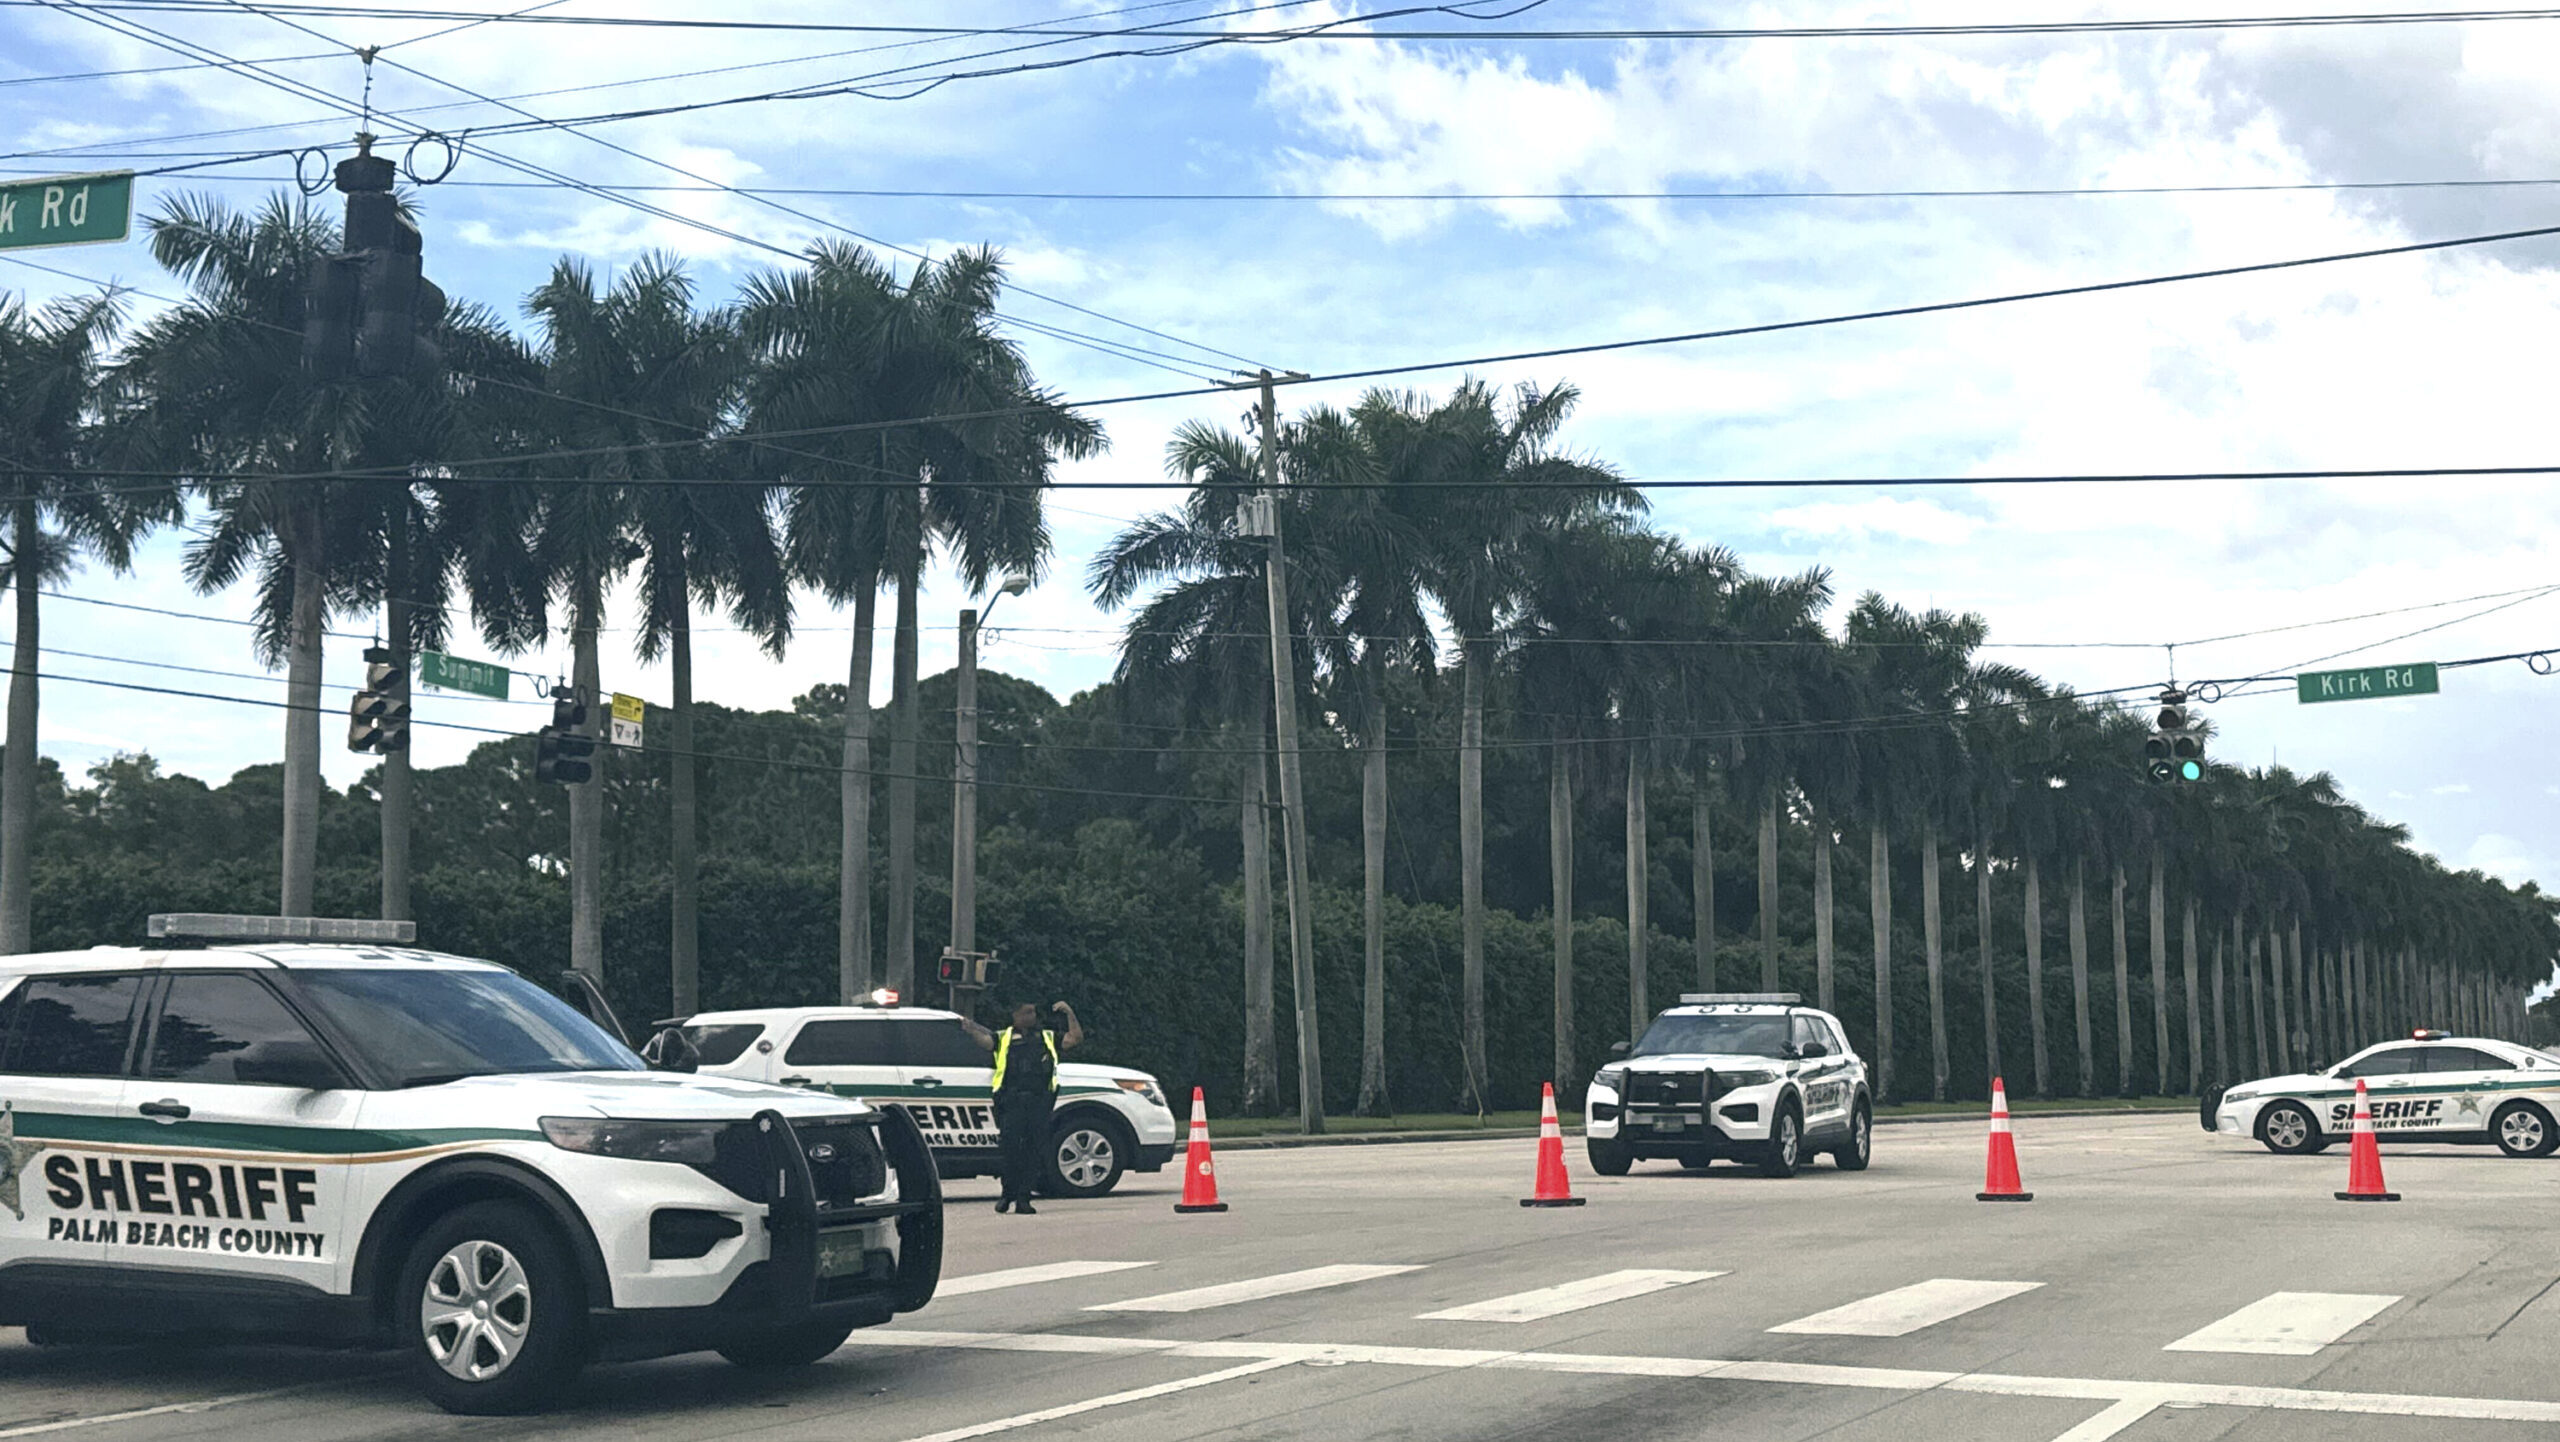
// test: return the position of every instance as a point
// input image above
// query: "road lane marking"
(1029, 1276)
(1569, 1297)
(2286, 1324)
(1096, 1404)
(1254, 1289)
(2116, 1417)
(1905, 1310)
(165, 1409)
(1887, 1379)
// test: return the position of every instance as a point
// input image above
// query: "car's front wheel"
(1785, 1148)
(1086, 1157)
(2524, 1130)
(1609, 1156)
(1852, 1155)
(795, 1344)
(496, 1311)
(2287, 1128)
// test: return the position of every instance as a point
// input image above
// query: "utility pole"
(1264, 520)
(964, 775)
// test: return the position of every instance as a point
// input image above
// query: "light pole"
(964, 774)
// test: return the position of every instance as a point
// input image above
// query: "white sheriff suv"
(1750, 1076)
(921, 1062)
(341, 1138)
(2432, 1087)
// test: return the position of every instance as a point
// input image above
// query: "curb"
(1505, 1134)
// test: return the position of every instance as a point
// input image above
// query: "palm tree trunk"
(1373, 906)
(1880, 914)
(1560, 904)
(855, 975)
(2080, 977)
(302, 717)
(1822, 958)
(2257, 1005)
(2279, 1032)
(684, 866)
(2159, 972)
(1639, 899)
(586, 799)
(18, 762)
(903, 721)
(399, 791)
(1937, 961)
(2221, 1018)
(1471, 869)
(1261, 1053)
(1982, 946)
(2124, 992)
(2306, 1002)
(2195, 1009)
(2035, 978)
(1769, 894)
(1702, 883)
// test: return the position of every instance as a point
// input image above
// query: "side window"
(2464, 1058)
(1831, 1037)
(230, 1029)
(2399, 1061)
(859, 1041)
(72, 1025)
(941, 1043)
(1801, 1030)
(724, 1043)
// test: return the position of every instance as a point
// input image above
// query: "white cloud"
(1881, 518)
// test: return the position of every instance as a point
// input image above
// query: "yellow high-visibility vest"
(1004, 1043)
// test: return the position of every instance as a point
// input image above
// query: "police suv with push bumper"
(1750, 1076)
(319, 1133)
(922, 1062)
(2432, 1087)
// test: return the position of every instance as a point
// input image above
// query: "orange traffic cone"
(2364, 1158)
(2000, 1171)
(1199, 1178)
(1554, 1189)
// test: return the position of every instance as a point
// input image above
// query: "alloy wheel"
(476, 1310)
(1085, 1157)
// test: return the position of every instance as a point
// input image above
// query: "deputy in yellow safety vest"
(1026, 1089)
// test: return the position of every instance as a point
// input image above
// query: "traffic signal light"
(400, 309)
(370, 311)
(328, 315)
(2174, 752)
(378, 716)
(971, 968)
(563, 754)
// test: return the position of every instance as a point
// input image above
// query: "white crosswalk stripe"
(1254, 1289)
(1569, 1296)
(2286, 1324)
(1029, 1276)
(1905, 1310)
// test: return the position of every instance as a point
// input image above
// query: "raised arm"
(983, 1037)
(1074, 1036)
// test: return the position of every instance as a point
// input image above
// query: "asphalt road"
(1887, 1306)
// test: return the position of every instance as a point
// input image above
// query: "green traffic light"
(2191, 771)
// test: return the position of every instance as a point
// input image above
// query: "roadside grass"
(1345, 1125)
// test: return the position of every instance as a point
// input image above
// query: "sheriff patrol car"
(340, 1137)
(1109, 1120)
(2439, 1088)
(1751, 1076)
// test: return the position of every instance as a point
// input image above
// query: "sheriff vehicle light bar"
(220, 926)
(1741, 998)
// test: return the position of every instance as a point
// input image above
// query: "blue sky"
(2441, 359)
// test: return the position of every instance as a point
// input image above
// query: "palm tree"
(228, 399)
(1514, 481)
(1775, 695)
(56, 403)
(1993, 736)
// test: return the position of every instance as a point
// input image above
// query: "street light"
(964, 773)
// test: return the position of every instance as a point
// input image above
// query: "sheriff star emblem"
(14, 1156)
(2468, 1106)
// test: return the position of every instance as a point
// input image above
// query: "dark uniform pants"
(1022, 1126)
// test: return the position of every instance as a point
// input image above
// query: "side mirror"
(1812, 1049)
(1618, 1048)
(672, 1050)
(297, 1064)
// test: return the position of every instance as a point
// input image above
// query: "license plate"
(1669, 1124)
(842, 1254)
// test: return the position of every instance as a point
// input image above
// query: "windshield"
(427, 1025)
(1729, 1034)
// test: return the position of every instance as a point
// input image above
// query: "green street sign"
(2366, 683)
(452, 673)
(66, 210)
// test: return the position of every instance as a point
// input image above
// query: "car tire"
(1088, 1153)
(2522, 1129)
(1609, 1156)
(1854, 1154)
(492, 1310)
(1696, 1164)
(1784, 1151)
(796, 1344)
(2288, 1129)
